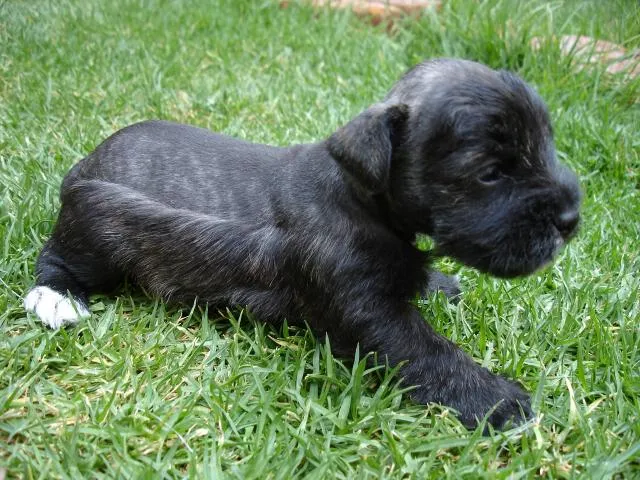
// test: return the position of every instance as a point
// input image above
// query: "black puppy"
(324, 233)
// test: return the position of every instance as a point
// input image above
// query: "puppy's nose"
(567, 222)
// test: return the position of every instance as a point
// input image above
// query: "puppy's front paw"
(447, 284)
(54, 309)
(513, 405)
(475, 392)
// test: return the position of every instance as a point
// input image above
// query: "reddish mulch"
(587, 51)
(378, 10)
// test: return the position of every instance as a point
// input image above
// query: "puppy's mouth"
(504, 260)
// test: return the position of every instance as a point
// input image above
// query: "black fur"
(324, 233)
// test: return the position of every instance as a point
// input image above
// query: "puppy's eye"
(491, 175)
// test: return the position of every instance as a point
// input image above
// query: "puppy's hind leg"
(57, 299)
(68, 270)
(182, 255)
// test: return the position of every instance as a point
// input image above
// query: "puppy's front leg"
(442, 372)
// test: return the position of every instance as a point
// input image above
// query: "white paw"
(54, 309)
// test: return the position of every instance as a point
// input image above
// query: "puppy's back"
(183, 167)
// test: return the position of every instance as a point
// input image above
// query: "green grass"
(146, 390)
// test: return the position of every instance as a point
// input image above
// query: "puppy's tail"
(172, 252)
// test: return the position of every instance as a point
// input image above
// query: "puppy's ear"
(364, 146)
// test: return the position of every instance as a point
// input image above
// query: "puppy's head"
(465, 154)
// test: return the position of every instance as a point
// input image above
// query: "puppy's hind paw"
(53, 308)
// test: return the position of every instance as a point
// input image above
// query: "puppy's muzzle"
(567, 217)
(567, 222)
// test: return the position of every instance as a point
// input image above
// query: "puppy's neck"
(390, 217)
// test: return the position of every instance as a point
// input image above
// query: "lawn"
(147, 390)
